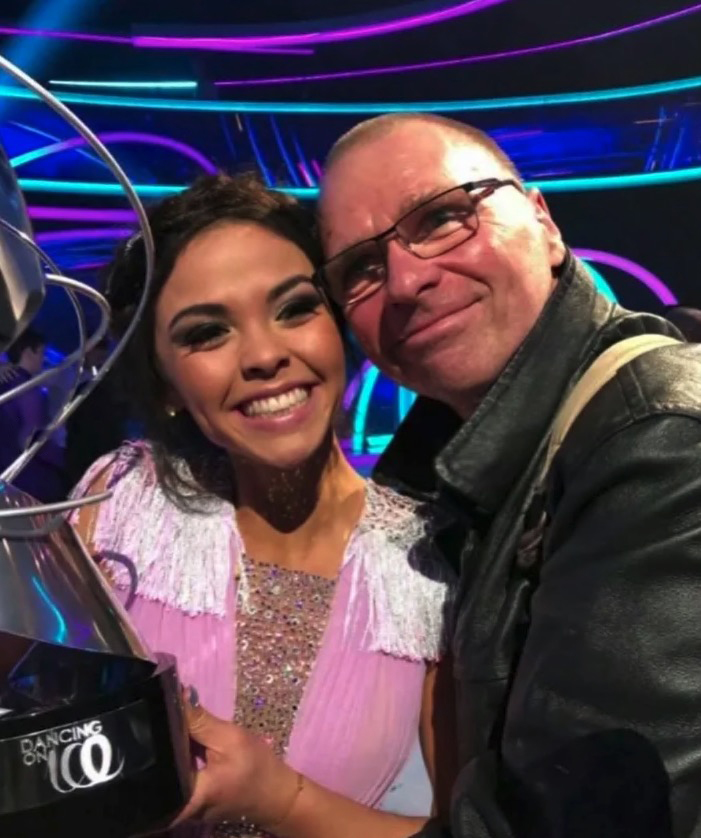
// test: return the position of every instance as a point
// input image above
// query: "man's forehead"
(373, 185)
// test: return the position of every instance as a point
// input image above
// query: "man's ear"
(553, 236)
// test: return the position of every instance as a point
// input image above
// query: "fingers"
(204, 728)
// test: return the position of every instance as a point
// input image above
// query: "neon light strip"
(354, 386)
(471, 59)
(361, 411)
(257, 153)
(405, 399)
(54, 236)
(118, 137)
(580, 184)
(79, 187)
(654, 283)
(563, 185)
(303, 161)
(283, 152)
(128, 85)
(331, 36)
(268, 41)
(602, 285)
(127, 41)
(441, 106)
(80, 214)
(460, 105)
(65, 36)
(306, 176)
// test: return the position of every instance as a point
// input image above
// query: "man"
(577, 645)
(22, 416)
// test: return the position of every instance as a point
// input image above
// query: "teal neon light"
(510, 102)
(361, 410)
(78, 187)
(561, 185)
(601, 284)
(582, 184)
(405, 399)
(128, 85)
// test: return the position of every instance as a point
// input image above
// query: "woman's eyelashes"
(300, 307)
(201, 335)
(210, 334)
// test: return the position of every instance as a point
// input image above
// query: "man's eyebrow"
(406, 205)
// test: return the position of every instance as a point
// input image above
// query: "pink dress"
(330, 672)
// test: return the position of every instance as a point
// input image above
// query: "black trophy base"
(110, 767)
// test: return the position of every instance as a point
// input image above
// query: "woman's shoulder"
(181, 556)
(133, 458)
(403, 520)
(409, 585)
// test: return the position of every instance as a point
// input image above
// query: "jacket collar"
(482, 458)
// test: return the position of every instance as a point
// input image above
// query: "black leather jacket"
(578, 666)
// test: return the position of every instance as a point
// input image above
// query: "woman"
(301, 601)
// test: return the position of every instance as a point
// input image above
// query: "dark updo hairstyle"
(211, 200)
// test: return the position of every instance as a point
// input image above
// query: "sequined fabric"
(278, 638)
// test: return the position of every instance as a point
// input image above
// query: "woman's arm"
(317, 813)
(438, 732)
(243, 777)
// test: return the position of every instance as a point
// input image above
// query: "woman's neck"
(289, 516)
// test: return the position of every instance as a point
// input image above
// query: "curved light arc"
(118, 137)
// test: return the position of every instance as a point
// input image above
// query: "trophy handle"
(111, 556)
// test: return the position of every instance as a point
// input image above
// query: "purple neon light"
(128, 41)
(55, 236)
(354, 385)
(138, 137)
(101, 216)
(654, 283)
(66, 36)
(267, 43)
(470, 59)
(349, 34)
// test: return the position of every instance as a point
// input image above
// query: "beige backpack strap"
(595, 377)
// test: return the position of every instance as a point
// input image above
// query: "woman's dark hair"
(175, 222)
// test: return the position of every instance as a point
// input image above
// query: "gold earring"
(171, 412)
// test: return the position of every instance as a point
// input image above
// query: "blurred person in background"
(24, 416)
(99, 424)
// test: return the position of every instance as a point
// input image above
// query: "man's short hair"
(29, 339)
(371, 129)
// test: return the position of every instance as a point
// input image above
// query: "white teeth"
(276, 404)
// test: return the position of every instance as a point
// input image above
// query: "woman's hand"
(241, 777)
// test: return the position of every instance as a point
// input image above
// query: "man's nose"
(408, 276)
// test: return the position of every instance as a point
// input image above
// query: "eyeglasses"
(430, 229)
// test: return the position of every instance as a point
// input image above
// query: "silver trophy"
(92, 735)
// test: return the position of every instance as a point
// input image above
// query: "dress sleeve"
(408, 584)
